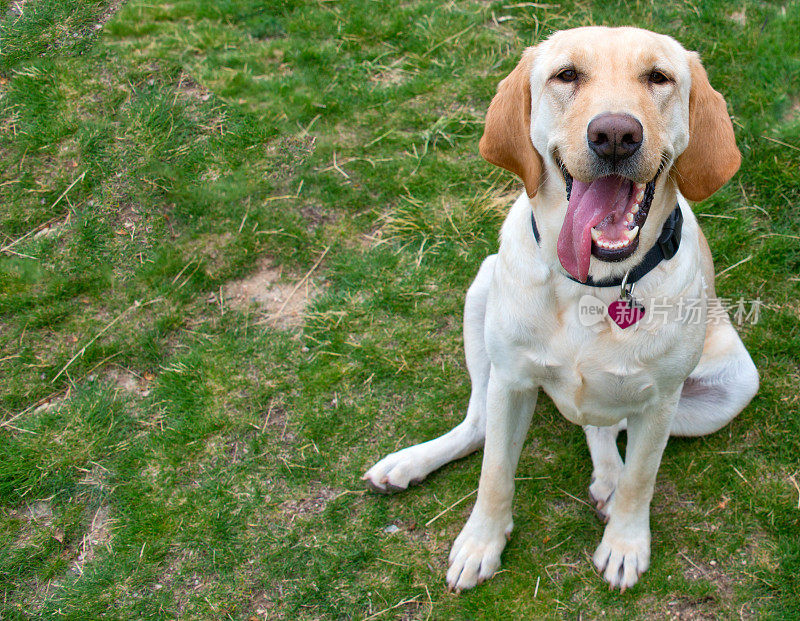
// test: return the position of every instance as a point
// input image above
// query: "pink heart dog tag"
(625, 313)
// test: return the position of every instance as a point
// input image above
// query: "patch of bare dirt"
(263, 603)
(180, 579)
(51, 403)
(128, 381)
(740, 17)
(705, 608)
(694, 609)
(98, 534)
(725, 574)
(286, 153)
(282, 301)
(40, 521)
(111, 10)
(37, 524)
(130, 223)
(701, 570)
(793, 113)
(208, 248)
(53, 228)
(276, 424)
(37, 517)
(271, 603)
(312, 504)
(370, 240)
(189, 87)
(390, 75)
(176, 579)
(315, 215)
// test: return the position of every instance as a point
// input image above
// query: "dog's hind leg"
(397, 471)
(725, 379)
(722, 384)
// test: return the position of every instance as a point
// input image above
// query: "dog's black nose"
(614, 137)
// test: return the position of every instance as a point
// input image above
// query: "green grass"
(165, 453)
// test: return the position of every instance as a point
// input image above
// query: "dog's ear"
(712, 156)
(506, 140)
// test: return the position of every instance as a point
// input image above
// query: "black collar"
(663, 250)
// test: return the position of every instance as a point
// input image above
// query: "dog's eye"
(656, 77)
(567, 75)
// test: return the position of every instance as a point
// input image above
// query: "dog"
(611, 131)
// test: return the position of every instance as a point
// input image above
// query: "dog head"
(610, 115)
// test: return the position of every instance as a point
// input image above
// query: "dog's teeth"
(638, 186)
(639, 196)
(629, 217)
(632, 233)
(635, 208)
(596, 235)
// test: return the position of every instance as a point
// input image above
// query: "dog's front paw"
(601, 489)
(475, 556)
(395, 472)
(623, 555)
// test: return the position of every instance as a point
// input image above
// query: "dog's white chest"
(593, 378)
(591, 391)
(601, 374)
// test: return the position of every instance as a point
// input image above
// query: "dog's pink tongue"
(589, 204)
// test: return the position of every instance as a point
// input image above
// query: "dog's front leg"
(624, 553)
(475, 555)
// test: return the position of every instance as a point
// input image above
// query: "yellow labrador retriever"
(611, 131)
